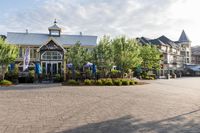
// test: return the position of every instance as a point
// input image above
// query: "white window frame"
(49, 55)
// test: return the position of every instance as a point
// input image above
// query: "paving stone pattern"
(163, 106)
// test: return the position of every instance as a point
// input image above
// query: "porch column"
(64, 67)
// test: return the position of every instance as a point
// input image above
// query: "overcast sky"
(134, 18)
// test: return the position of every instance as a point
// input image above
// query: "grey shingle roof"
(39, 39)
(156, 42)
(54, 27)
(163, 40)
(143, 40)
(166, 40)
(184, 37)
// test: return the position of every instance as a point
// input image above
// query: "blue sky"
(134, 18)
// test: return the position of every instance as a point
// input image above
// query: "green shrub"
(108, 82)
(77, 74)
(93, 82)
(88, 82)
(136, 82)
(114, 73)
(57, 78)
(15, 72)
(31, 76)
(72, 82)
(131, 82)
(125, 82)
(103, 81)
(151, 78)
(117, 82)
(99, 82)
(5, 82)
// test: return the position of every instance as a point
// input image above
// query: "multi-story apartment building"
(175, 54)
(196, 55)
(47, 49)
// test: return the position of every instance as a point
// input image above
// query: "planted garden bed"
(103, 82)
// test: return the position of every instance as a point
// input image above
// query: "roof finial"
(55, 21)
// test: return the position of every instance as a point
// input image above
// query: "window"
(188, 54)
(52, 55)
(55, 32)
(188, 61)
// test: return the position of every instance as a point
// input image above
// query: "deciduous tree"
(126, 53)
(150, 57)
(8, 54)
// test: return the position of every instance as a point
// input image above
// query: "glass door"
(49, 68)
(54, 69)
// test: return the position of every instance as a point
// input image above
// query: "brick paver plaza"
(163, 106)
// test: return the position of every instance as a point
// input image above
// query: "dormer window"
(54, 30)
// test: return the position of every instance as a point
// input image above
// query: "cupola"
(54, 30)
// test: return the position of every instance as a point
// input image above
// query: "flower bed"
(103, 82)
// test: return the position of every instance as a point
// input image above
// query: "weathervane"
(55, 21)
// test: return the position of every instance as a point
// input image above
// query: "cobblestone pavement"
(163, 106)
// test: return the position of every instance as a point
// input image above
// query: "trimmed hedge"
(125, 82)
(88, 82)
(131, 82)
(105, 82)
(117, 82)
(5, 82)
(72, 82)
(108, 82)
(99, 82)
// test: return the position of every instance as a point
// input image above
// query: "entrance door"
(51, 67)
(49, 70)
(55, 68)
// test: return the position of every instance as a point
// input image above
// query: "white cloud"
(134, 18)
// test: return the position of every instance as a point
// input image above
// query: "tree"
(151, 57)
(78, 55)
(103, 54)
(126, 53)
(8, 54)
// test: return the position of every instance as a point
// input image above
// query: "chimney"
(26, 31)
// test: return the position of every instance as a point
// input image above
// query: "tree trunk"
(3, 71)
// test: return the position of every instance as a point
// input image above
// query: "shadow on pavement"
(128, 124)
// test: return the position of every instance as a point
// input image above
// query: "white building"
(48, 49)
(175, 54)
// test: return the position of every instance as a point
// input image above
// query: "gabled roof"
(157, 42)
(40, 39)
(143, 40)
(166, 40)
(184, 37)
(55, 41)
(163, 40)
